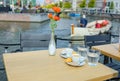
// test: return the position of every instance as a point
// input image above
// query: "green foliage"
(37, 11)
(67, 5)
(49, 6)
(30, 5)
(56, 4)
(91, 3)
(33, 2)
(61, 4)
(17, 10)
(112, 5)
(82, 4)
(24, 2)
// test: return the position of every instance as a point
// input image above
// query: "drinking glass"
(93, 57)
(83, 50)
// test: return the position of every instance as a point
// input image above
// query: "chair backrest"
(77, 40)
(36, 40)
(97, 40)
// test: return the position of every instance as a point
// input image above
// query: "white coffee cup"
(76, 58)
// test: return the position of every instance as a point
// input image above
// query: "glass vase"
(52, 45)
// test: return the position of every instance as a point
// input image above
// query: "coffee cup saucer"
(76, 64)
(65, 52)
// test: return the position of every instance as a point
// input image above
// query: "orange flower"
(56, 18)
(50, 15)
(56, 9)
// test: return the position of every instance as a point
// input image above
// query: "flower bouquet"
(54, 18)
(53, 24)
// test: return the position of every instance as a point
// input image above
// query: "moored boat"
(79, 32)
(74, 15)
(90, 29)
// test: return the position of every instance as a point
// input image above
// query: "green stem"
(53, 31)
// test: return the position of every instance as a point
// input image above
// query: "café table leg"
(106, 60)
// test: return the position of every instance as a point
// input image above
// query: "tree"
(91, 3)
(24, 2)
(61, 4)
(49, 6)
(111, 5)
(67, 5)
(82, 4)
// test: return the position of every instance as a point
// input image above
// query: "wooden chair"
(100, 40)
(94, 40)
(116, 67)
(6, 46)
(34, 41)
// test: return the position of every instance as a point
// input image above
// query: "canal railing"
(105, 15)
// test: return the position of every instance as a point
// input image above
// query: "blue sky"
(41, 2)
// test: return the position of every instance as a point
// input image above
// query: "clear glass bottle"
(52, 45)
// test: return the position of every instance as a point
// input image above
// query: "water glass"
(93, 57)
(82, 50)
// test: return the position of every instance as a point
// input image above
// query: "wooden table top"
(39, 66)
(110, 50)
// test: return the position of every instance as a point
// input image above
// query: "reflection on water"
(13, 26)
(10, 31)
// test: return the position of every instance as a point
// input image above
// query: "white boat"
(90, 29)
(80, 32)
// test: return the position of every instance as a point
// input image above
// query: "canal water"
(10, 33)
